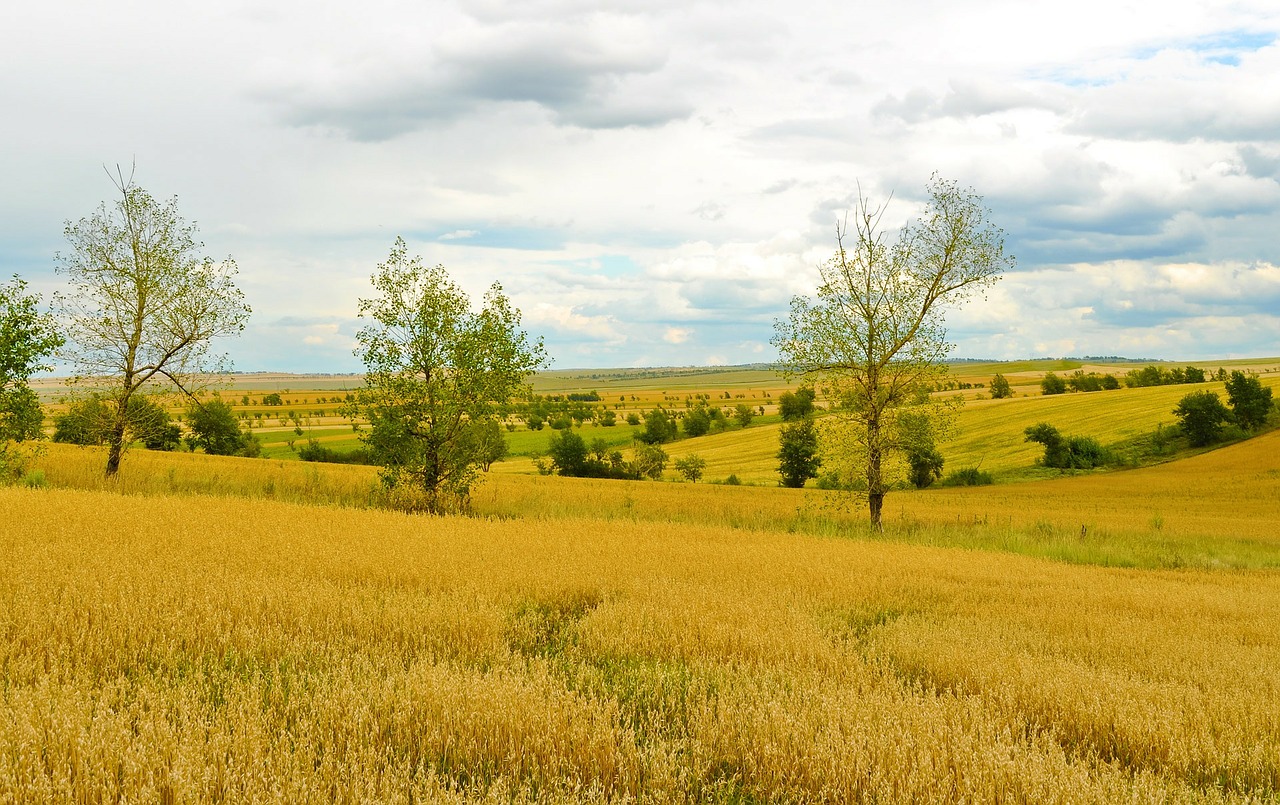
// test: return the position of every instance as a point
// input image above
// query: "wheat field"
(206, 649)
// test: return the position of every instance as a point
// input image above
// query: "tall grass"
(205, 649)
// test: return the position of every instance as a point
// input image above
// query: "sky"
(652, 181)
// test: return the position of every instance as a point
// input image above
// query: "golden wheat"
(197, 649)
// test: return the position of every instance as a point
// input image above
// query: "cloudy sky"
(653, 180)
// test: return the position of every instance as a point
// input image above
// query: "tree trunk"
(115, 450)
(875, 500)
(875, 479)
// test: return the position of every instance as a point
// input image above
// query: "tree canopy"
(436, 374)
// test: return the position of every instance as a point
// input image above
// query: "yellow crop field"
(204, 649)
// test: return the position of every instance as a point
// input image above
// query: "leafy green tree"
(214, 427)
(691, 467)
(875, 335)
(568, 453)
(1202, 415)
(743, 414)
(797, 404)
(434, 370)
(798, 459)
(1000, 387)
(272, 399)
(487, 442)
(1052, 384)
(27, 339)
(697, 421)
(143, 307)
(1250, 401)
(659, 427)
(650, 460)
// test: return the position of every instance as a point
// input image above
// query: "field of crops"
(222, 649)
(207, 629)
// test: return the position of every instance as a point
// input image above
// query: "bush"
(314, 451)
(1000, 387)
(797, 405)
(1201, 415)
(1052, 384)
(697, 422)
(1249, 400)
(969, 476)
(1073, 453)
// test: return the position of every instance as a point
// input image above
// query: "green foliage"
(633, 418)
(1159, 376)
(272, 399)
(214, 427)
(1067, 453)
(926, 466)
(875, 334)
(1201, 415)
(91, 419)
(691, 467)
(434, 370)
(27, 338)
(697, 422)
(650, 461)
(1079, 380)
(1250, 401)
(797, 404)
(1000, 387)
(743, 414)
(798, 459)
(1052, 384)
(659, 427)
(968, 476)
(314, 451)
(143, 306)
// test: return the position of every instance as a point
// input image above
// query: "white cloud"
(653, 167)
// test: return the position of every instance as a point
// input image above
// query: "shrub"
(968, 476)
(1073, 453)
(1201, 415)
(1249, 400)
(1052, 384)
(659, 427)
(697, 422)
(1000, 387)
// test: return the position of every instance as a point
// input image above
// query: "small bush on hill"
(969, 476)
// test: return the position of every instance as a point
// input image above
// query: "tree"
(691, 467)
(27, 339)
(916, 435)
(650, 460)
(743, 414)
(568, 453)
(1000, 387)
(797, 404)
(798, 459)
(214, 427)
(697, 422)
(875, 336)
(1201, 414)
(659, 427)
(1249, 400)
(434, 371)
(143, 306)
(1052, 384)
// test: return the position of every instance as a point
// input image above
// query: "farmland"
(229, 629)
